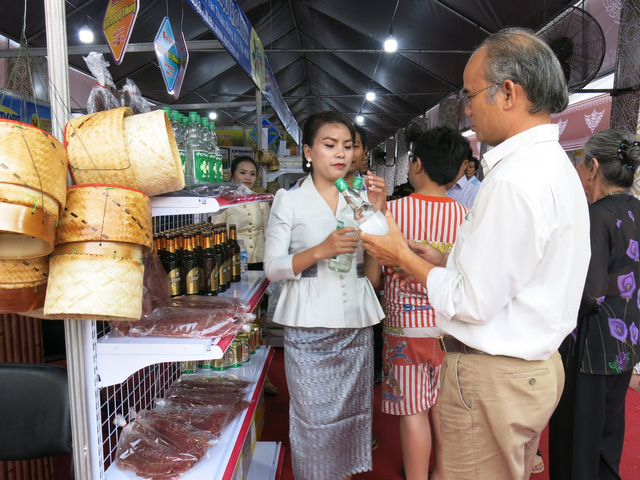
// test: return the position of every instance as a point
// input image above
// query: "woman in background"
(587, 428)
(328, 316)
(250, 219)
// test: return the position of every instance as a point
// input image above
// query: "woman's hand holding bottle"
(339, 241)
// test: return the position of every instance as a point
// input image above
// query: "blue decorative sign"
(167, 53)
(272, 133)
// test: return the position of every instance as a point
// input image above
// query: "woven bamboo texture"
(153, 153)
(20, 273)
(32, 158)
(29, 197)
(96, 148)
(21, 342)
(103, 213)
(94, 287)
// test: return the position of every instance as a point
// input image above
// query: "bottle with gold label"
(190, 269)
(225, 247)
(234, 248)
(220, 255)
(172, 268)
(210, 266)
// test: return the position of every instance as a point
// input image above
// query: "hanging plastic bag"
(132, 97)
(101, 97)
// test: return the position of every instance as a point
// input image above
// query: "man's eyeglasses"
(466, 97)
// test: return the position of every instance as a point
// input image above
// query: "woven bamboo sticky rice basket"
(153, 153)
(106, 213)
(33, 176)
(96, 149)
(95, 281)
(23, 284)
(117, 148)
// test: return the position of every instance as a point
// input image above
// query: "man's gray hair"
(517, 54)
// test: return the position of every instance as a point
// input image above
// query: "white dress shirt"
(301, 219)
(464, 191)
(514, 279)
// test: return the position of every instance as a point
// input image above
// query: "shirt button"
(250, 223)
(249, 231)
(248, 214)
(344, 300)
(250, 237)
(250, 246)
(532, 381)
(244, 206)
(342, 277)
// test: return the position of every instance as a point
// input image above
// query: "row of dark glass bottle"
(200, 259)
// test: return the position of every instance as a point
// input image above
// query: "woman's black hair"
(238, 160)
(313, 125)
(618, 154)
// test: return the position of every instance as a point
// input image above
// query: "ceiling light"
(370, 96)
(85, 34)
(390, 44)
(359, 119)
(213, 115)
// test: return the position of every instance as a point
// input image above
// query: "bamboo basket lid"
(153, 153)
(29, 197)
(106, 213)
(25, 232)
(94, 287)
(96, 148)
(32, 158)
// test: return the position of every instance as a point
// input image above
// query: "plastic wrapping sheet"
(101, 97)
(183, 317)
(132, 97)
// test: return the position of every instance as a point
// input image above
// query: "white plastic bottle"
(341, 263)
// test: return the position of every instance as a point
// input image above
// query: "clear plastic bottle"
(217, 153)
(244, 257)
(368, 217)
(341, 263)
(178, 133)
(197, 169)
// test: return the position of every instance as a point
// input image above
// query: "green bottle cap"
(175, 116)
(204, 122)
(357, 183)
(193, 116)
(166, 109)
(341, 184)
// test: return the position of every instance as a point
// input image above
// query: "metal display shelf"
(120, 357)
(220, 461)
(192, 205)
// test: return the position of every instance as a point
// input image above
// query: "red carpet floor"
(387, 459)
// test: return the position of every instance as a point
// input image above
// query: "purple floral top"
(606, 337)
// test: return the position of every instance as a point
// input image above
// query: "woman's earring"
(308, 163)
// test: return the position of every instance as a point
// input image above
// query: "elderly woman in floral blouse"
(587, 428)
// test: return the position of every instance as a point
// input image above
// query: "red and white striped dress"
(412, 358)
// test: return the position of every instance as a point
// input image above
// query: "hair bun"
(629, 154)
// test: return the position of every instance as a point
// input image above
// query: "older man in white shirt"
(512, 284)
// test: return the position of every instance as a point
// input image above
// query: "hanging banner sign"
(118, 25)
(14, 107)
(272, 132)
(228, 22)
(183, 56)
(167, 54)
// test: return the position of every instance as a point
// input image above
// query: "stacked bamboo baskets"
(96, 269)
(33, 176)
(116, 147)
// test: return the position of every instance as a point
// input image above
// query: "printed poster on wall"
(118, 25)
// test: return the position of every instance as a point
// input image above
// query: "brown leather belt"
(451, 344)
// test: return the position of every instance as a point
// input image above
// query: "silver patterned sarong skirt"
(330, 380)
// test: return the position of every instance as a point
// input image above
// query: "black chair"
(34, 411)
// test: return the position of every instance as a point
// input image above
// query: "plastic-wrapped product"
(132, 97)
(101, 97)
(159, 448)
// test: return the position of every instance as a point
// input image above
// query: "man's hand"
(430, 254)
(386, 249)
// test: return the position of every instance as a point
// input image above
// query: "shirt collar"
(540, 133)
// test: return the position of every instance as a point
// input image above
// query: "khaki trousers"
(492, 412)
